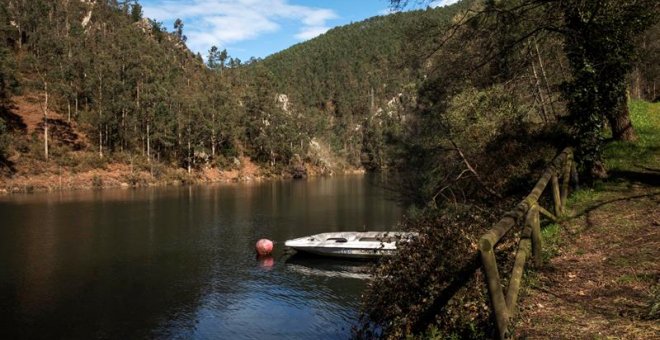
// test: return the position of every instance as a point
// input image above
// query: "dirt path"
(603, 281)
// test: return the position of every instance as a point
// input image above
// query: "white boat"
(352, 244)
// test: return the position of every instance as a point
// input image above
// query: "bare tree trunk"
(123, 109)
(189, 155)
(372, 106)
(100, 116)
(545, 78)
(123, 128)
(562, 69)
(20, 36)
(138, 113)
(148, 142)
(100, 142)
(213, 134)
(45, 107)
(537, 85)
(619, 119)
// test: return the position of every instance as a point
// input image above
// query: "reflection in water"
(180, 262)
(266, 262)
(321, 266)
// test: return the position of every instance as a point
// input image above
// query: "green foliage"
(476, 117)
(133, 87)
(351, 71)
(487, 127)
(136, 12)
(551, 236)
(8, 82)
(599, 45)
(424, 286)
(89, 161)
(646, 70)
(654, 305)
(4, 141)
(97, 182)
(216, 58)
(475, 128)
(8, 85)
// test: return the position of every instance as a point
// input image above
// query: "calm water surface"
(179, 262)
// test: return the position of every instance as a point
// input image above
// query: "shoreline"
(100, 179)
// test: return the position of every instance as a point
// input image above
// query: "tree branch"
(473, 171)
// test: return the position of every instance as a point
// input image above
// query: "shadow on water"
(307, 264)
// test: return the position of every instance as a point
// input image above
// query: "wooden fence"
(525, 214)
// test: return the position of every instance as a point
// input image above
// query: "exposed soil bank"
(75, 164)
(115, 175)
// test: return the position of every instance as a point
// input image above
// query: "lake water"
(180, 262)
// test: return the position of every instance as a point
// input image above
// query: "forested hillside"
(93, 85)
(356, 72)
(86, 84)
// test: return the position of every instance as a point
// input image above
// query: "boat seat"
(338, 239)
(369, 239)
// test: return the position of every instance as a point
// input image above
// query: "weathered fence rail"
(526, 213)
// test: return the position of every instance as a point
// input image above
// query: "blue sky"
(259, 28)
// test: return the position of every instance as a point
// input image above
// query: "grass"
(624, 159)
(552, 240)
(643, 153)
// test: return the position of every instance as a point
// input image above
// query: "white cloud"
(311, 32)
(222, 22)
(438, 3)
(387, 11)
(422, 4)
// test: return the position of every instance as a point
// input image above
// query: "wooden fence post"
(516, 275)
(533, 221)
(568, 163)
(574, 176)
(494, 286)
(504, 306)
(555, 194)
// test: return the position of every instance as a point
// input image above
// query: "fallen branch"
(473, 171)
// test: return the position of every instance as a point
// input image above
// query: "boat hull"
(348, 253)
(352, 245)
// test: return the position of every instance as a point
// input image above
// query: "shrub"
(88, 161)
(97, 182)
(4, 139)
(435, 281)
(179, 176)
(135, 179)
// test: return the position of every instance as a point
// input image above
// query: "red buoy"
(264, 247)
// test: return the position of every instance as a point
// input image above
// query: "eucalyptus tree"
(178, 30)
(7, 85)
(136, 12)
